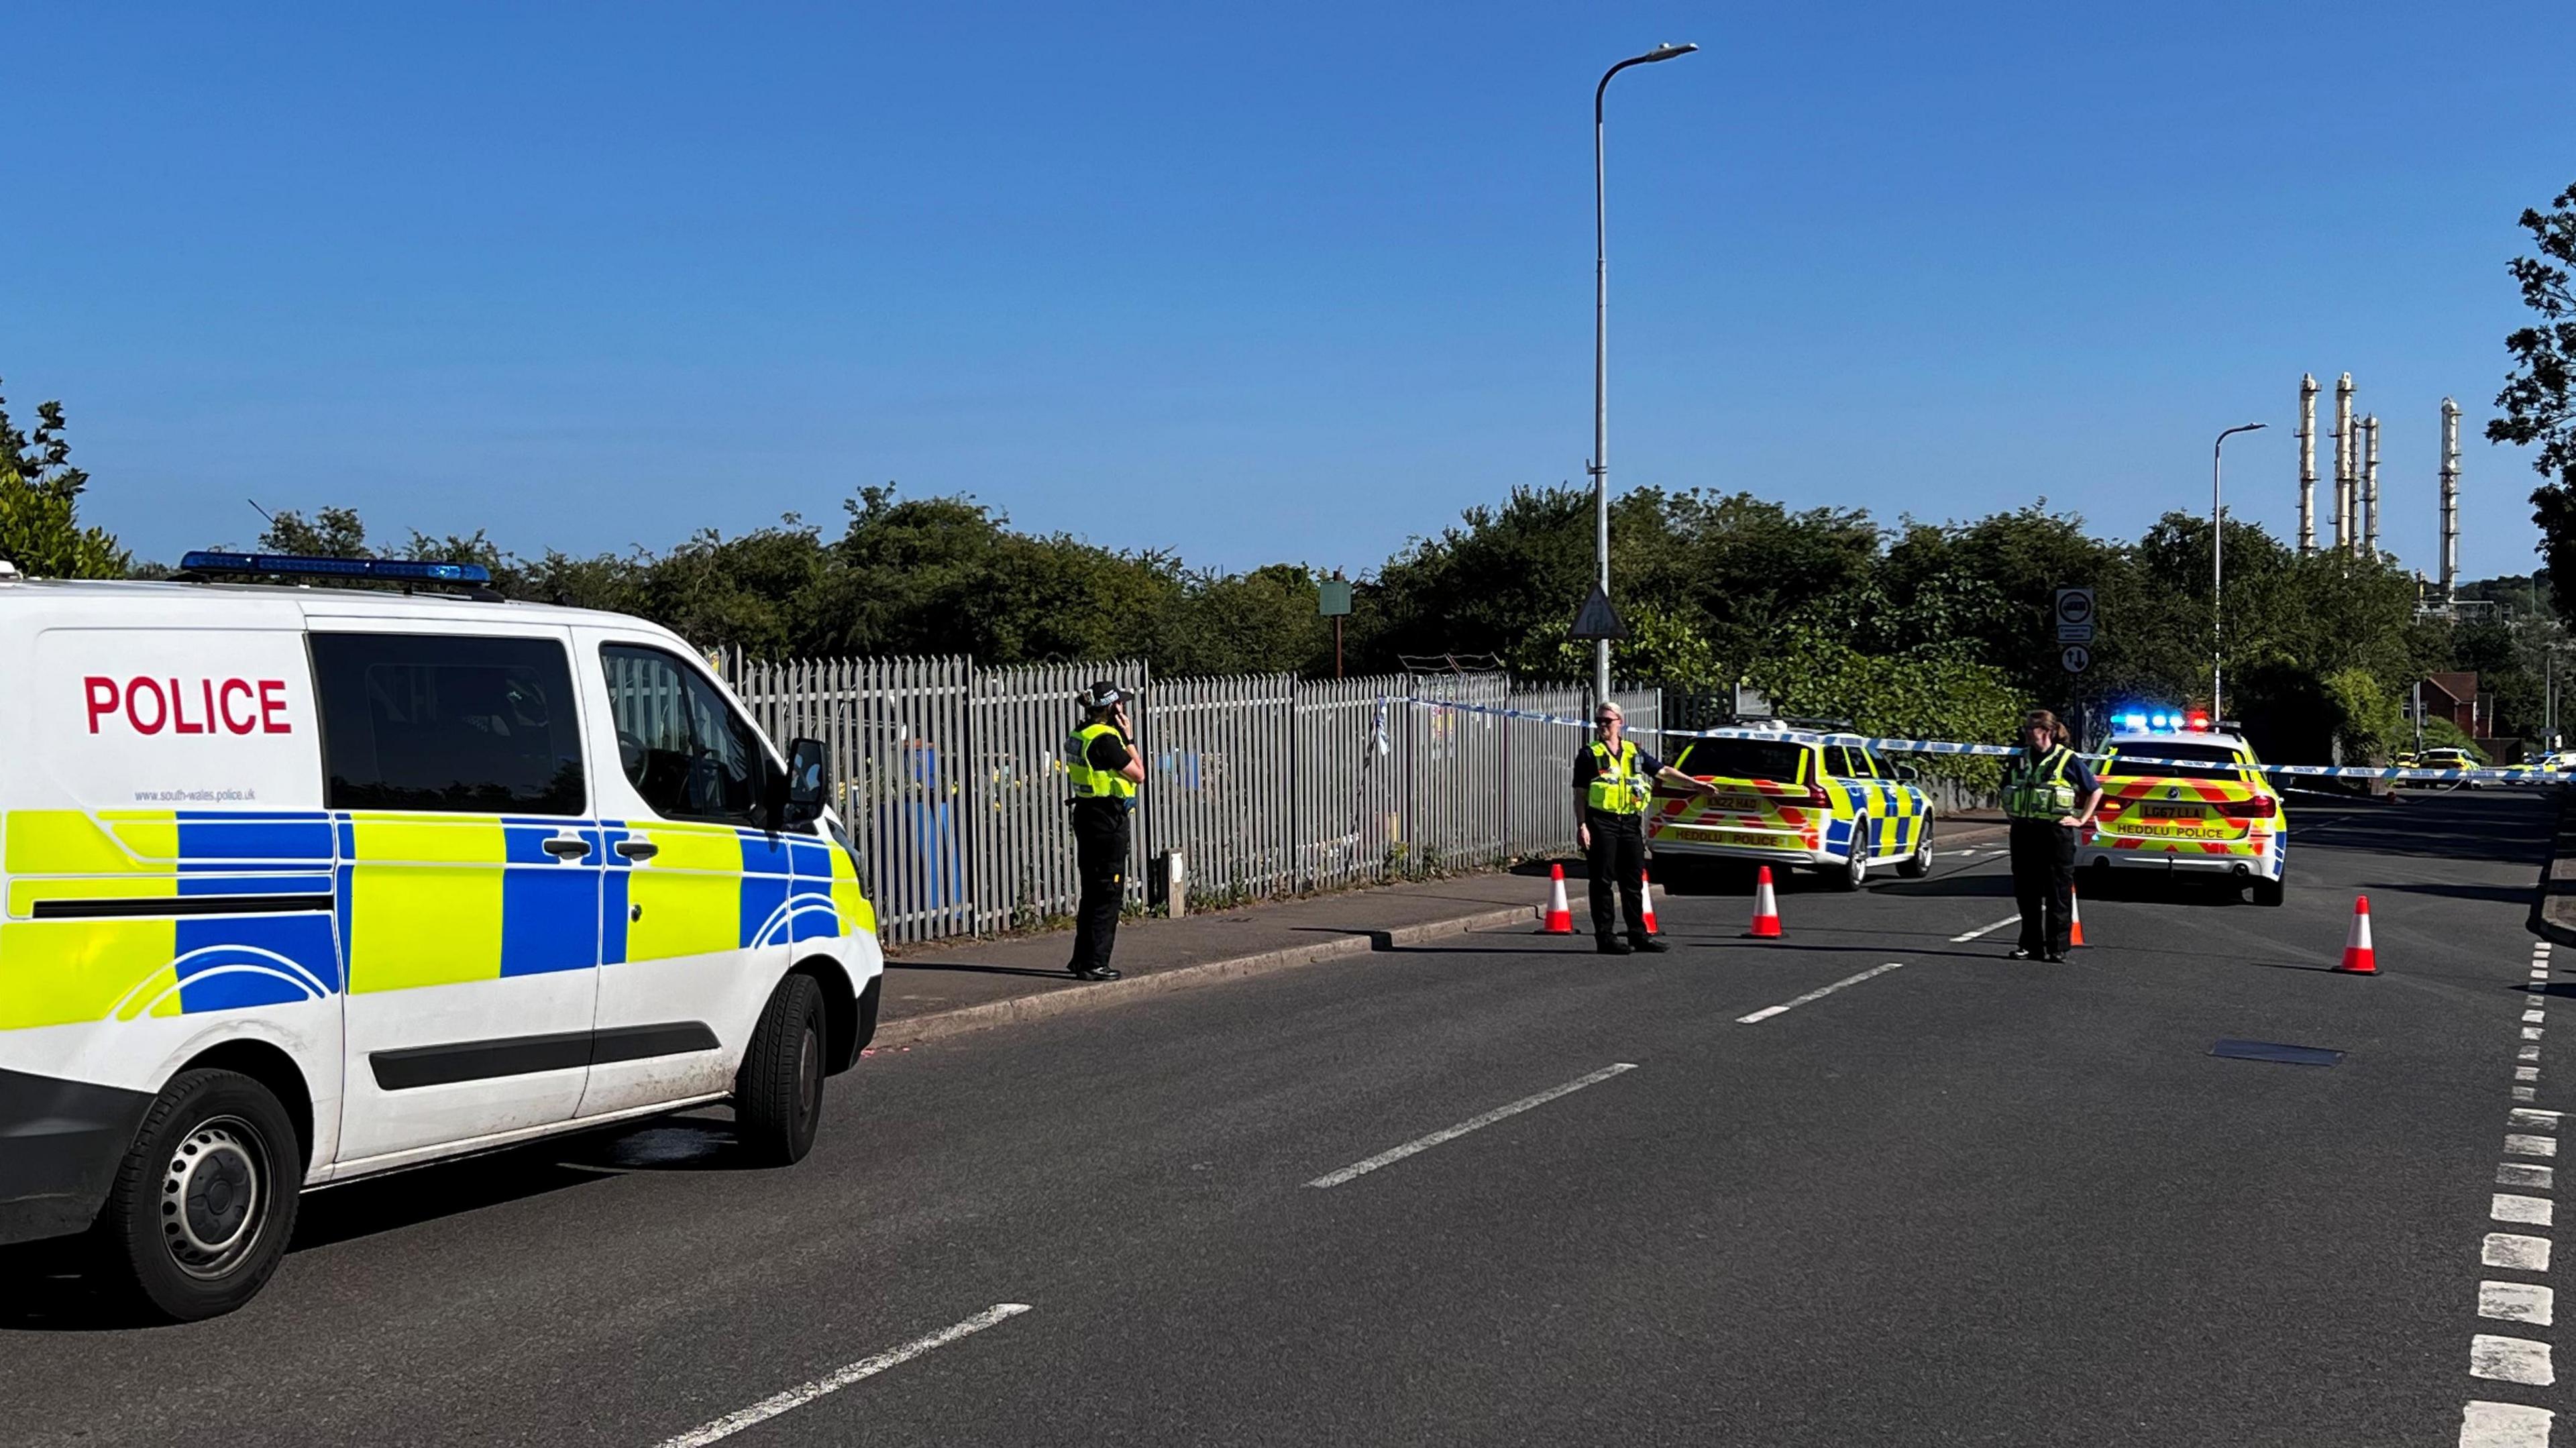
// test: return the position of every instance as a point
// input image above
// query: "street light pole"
(2218, 564)
(1600, 468)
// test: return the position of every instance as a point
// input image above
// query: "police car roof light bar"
(294, 565)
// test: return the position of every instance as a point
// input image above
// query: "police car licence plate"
(1738, 803)
(2173, 811)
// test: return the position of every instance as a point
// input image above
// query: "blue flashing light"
(2159, 719)
(292, 565)
(2133, 721)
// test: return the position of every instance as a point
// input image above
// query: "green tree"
(2539, 396)
(40, 491)
(329, 533)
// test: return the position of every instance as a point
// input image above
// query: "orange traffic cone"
(1766, 909)
(1560, 919)
(2358, 957)
(2074, 918)
(1646, 889)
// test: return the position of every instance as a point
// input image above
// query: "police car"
(1803, 798)
(2182, 795)
(309, 884)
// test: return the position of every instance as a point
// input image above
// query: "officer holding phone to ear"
(1104, 767)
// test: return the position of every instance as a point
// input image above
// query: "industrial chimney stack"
(2344, 537)
(2450, 502)
(2370, 487)
(2307, 464)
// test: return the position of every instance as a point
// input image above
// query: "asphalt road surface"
(1965, 1200)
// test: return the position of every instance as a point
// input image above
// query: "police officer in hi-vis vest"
(1102, 763)
(1614, 782)
(2049, 795)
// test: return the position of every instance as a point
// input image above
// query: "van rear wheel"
(204, 1201)
(778, 1092)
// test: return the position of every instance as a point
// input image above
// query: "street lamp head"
(1668, 50)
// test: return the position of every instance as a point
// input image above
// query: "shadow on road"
(43, 1287)
(2507, 825)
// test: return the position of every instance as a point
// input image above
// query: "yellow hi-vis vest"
(1617, 787)
(1090, 783)
(2037, 789)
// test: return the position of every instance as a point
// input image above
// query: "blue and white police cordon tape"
(2511, 774)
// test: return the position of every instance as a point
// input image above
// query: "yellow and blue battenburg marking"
(370, 901)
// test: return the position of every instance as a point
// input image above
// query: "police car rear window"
(453, 725)
(1771, 759)
(2220, 761)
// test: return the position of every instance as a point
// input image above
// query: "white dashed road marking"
(2504, 1425)
(1767, 1012)
(2522, 1254)
(2525, 1119)
(1452, 1133)
(2524, 1174)
(2529, 1211)
(2515, 1302)
(2516, 1144)
(839, 1378)
(2510, 1360)
(1985, 930)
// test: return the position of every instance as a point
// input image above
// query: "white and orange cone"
(1646, 891)
(1766, 909)
(2358, 957)
(2074, 918)
(1559, 917)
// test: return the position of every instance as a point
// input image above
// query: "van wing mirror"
(809, 781)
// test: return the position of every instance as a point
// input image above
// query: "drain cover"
(2274, 1051)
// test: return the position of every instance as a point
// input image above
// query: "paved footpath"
(1872, 1184)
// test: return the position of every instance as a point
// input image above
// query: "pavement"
(1870, 1184)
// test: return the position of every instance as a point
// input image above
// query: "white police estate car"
(306, 884)
(1819, 797)
(2180, 795)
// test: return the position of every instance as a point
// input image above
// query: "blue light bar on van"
(295, 565)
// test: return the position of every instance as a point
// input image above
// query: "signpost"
(2075, 615)
(1333, 601)
(2075, 625)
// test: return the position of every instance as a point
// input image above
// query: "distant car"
(2446, 758)
(2195, 801)
(1831, 805)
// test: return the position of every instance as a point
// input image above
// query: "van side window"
(455, 725)
(683, 747)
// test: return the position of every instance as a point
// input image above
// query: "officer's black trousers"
(1617, 861)
(2043, 871)
(1100, 853)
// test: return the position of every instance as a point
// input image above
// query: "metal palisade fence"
(952, 778)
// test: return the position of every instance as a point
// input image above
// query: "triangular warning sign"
(1598, 620)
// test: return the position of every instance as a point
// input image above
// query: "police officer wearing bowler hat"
(1104, 767)
(1614, 783)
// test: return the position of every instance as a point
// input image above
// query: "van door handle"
(567, 847)
(638, 849)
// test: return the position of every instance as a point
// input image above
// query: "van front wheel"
(778, 1093)
(204, 1201)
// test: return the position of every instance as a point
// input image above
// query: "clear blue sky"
(1257, 283)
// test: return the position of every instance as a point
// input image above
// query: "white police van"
(306, 884)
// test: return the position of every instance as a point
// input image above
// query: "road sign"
(2075, 616)
(1333, 597)
(2076, 658)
